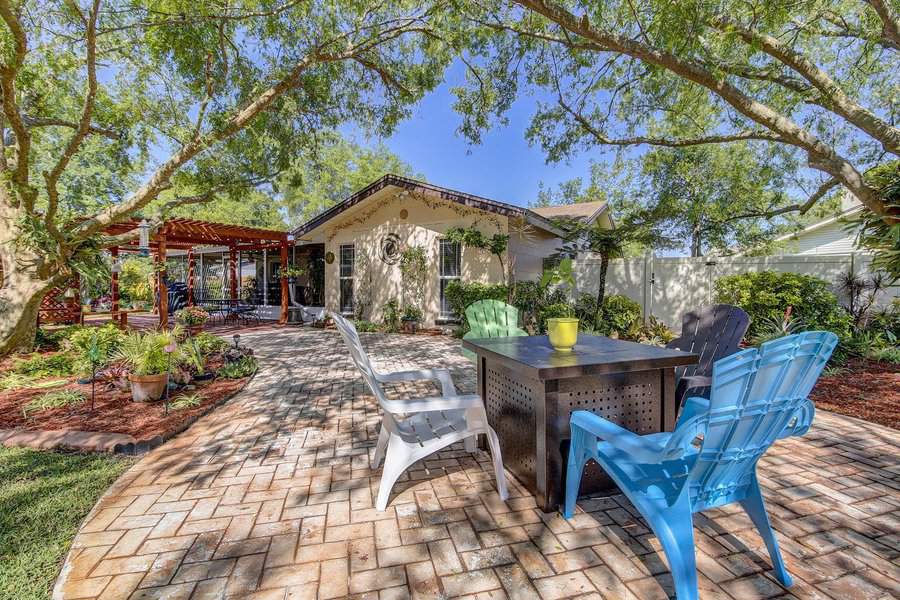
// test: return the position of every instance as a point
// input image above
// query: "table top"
(534, 357)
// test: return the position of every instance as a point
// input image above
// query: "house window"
(348, 258)
(449, 270)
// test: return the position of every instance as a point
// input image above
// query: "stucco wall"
(529, 247)
(366, 224)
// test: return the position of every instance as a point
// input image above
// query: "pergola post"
(163, 287)
(284, 283)
(114, 287)
(190, 281)
(232, 271)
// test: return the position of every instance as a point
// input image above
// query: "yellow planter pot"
(563, 333)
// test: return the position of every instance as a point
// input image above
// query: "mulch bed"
(114, 412)
(866, 390)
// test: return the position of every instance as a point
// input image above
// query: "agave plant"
(772, 329)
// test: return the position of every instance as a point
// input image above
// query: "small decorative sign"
(329, 257)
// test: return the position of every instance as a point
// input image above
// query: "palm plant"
(144, 353)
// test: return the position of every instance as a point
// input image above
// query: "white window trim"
(342, 277)
(441, 277)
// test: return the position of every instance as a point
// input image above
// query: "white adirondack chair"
(413, 429)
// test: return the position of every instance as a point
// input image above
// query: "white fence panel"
(668, 287)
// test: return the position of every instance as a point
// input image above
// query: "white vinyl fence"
(668, 287)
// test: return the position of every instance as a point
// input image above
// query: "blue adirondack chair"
(757, 397)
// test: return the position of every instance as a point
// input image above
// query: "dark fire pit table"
(530, 389)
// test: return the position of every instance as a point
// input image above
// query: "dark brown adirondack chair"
(714, 332)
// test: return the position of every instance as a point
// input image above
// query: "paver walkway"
(271, 497)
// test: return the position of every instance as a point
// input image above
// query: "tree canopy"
(816, 77)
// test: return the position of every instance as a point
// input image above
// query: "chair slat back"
(491, 318)
(714, 332)
(361, 360)
(755, 394)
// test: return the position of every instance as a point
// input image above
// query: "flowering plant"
(191, 316)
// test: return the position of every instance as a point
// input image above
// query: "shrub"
(209, 343)
(460, 295)
(94, 346)
(55, 399)
(766, 295)
(554, 311)
(619, 315)
(40, 366)
(243, 367)
(390, 314)
(366, 326)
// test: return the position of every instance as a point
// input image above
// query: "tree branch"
(833, 98)
(84, 123)
(53, 122)
(8, 74)
(890, 22)
(667, 142)
(801, 208)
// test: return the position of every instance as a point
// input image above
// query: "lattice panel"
(510, 405)
(627, 399)
(56, 308)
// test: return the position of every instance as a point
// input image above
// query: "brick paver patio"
(271, 497)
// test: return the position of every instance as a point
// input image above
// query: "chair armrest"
(801, 421)
(693, 407)
(696, 381)
(429, 404)
(627, 441)
(442, 376)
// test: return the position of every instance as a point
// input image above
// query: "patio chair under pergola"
(185, 234)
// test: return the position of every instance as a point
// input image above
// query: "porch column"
(265, 274)
(114, 287)
(232, 272)
(190, 281)
(163, 288)
(284, 283)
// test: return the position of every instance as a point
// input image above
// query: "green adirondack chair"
(490, 319)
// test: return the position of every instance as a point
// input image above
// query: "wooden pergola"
(185, 234)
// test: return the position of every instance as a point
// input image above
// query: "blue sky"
(503, 167)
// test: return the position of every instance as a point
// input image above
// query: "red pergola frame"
(185, 234)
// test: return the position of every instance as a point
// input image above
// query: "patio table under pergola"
(186, 234)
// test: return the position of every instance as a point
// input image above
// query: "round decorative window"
(390, 249)
(329, 257)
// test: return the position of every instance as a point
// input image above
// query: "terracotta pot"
(194, 329)
(409, 325)
(563, 333)
(148, 387)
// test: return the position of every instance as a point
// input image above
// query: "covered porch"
(203, 263)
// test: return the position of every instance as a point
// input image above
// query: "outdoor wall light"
(69, 293)
(116, 266)
(144, 241)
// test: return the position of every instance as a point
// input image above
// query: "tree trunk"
(696, 248)
(601, 288)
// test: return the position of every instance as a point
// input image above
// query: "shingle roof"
(582, 211)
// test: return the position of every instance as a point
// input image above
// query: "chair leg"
(574, 471)
(470, 443)
(674, 528)
(381, 447)
(396, 461)
(497, 459)
(756, 509)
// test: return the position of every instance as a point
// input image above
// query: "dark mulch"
(113, 410)
(864, 389)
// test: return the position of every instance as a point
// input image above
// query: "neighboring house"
(359, 242)
(829, 236)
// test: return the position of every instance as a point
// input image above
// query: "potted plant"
(145, 356)
(292, 272)
(562, 324)
(192, 319)
(410, 318)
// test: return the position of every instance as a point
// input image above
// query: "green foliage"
(44, 498)
(413, 272)
(472, 237)
(366, 326)
(135, 280)
(56, 399)
(144, 353)
(654, 332)
(460, 295)
(13, 381)
(411, 313)
(768, 294)
(555, 311)
(243, 367)
(335, 169)
(209, 343)
(771, 329)
(872, 344)
(39, 366)
(618, 315)
(93, 347)
(390, 314)
(563, 273)
(876, 234)
(191, 315)
(186, 401)
(191, 356)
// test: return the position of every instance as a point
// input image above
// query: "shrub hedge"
(766, 295)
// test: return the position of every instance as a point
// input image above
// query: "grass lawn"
(43, 498)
